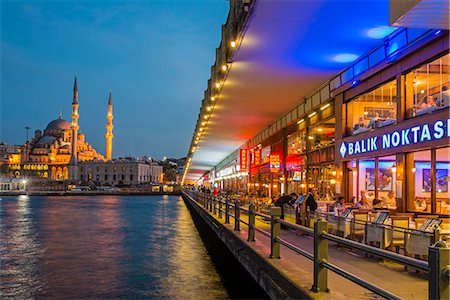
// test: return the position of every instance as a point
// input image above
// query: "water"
(103, 247)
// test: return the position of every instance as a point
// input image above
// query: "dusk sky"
(155, 56)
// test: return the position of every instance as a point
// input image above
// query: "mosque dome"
(46, 141)
(58, 124)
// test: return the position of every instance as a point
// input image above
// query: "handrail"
(405, 260)
(359, 281)
(295, 248)
(321, 238)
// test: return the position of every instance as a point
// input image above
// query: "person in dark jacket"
(310, 201)
(285, 199)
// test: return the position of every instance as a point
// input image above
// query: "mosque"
(54, 154)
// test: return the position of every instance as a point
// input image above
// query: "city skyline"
(139, 51)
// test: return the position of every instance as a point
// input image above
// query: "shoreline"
(90, 193)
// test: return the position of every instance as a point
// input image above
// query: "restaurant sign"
(398, 138)
(275, 163)
(243, 160)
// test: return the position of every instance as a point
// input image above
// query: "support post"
(214, 205)
(275, 228)
(320, 254)
(237, 216)
(219, 200)
(439, 274)
(227, 211)
(210, 203)
(251, 223)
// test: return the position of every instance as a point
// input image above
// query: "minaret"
(109, 128)
(74, 125)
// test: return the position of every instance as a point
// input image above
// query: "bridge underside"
(289, 49)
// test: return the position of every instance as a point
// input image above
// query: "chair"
(398, 235)
(358, 225)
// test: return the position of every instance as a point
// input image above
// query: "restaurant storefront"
(395, 137)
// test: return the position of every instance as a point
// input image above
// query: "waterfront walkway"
(385, 274)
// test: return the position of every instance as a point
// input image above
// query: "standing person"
(286, 199)
(310, 201)
(216, 192)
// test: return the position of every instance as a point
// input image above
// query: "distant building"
(12, 184)
(119, 172)
(54, 153)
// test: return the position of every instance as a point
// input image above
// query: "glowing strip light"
(325, 106)
(312, 114)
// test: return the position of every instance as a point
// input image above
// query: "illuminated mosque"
(54, 154)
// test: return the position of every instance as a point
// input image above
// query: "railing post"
(210, 203)
(320, 254)
(439, 273)
(237, 216)
(251, 223)
(214, 205)
(275, 228)
(227, 211)
(436, 235)
(219, 202)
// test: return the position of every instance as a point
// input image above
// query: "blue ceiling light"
(380, 32)
(438, 32)
(355, 82)
(345, 57)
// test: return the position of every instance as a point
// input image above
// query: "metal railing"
(437, 266)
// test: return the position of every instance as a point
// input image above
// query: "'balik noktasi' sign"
(398, 138)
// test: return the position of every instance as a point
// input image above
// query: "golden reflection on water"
(18, 247)
(103, 247)
(191, 276)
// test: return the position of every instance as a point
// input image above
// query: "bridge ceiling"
(288, 50)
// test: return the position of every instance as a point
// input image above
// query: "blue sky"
(155, 56)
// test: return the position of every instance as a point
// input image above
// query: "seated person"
(363, 204)
(374, 121)
(444, 97)
(390, 200)
(421, 205)
(390, 119)
(427, 102)
(338, 206)
(360, 125)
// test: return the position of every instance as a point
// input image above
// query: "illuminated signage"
(226, 171)
(243, 159)
(257, 157)
(275, 163)
(398, 138)
(297, 176)
(295, 162)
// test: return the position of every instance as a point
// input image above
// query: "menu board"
(381, 217)
(345, 213)
(430, 225)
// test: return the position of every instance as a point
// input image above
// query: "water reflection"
(103, 247)
(19, 250)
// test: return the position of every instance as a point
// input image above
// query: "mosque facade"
(55, 153)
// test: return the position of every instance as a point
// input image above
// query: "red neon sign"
(243, 160)
(275, 163)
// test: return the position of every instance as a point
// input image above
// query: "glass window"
(322, 135)
(427, 87)
(387, 171)
(442, 181)
(372, 110)
(297, 143)
(419, 181)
